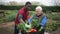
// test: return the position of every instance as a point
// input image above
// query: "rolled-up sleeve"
(43, 21)
(20, 17)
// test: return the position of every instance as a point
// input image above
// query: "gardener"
(38, 20)
(22, 16)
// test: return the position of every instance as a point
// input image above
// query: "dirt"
(7, 28)
(56, 32)
(6, 24)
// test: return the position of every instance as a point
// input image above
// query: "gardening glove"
(28, 26)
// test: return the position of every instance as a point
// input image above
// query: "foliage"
(52, 24)
(58, 23)
(31, 13)
(10, 16)
(45, 8)
(22, 26)
(1, 20)
(53, 16)
(51, 27)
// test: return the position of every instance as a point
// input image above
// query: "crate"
(32, 33)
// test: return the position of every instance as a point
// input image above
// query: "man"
(22, 16)
(38, 20)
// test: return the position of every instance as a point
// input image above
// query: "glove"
(28, 26)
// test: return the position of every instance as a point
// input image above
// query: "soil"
(7, 28)
(56, 32)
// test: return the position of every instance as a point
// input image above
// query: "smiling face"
(28, 6)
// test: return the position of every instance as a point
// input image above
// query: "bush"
(51, 27)
(45, 8)
(53, 16)
(1, 20)
(32, 13)
(58, 23)
(10, 16)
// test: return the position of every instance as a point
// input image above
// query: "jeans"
(16, 31)
(41, 32)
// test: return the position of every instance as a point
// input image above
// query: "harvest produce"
(24, 26)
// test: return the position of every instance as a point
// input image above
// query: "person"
(38, 20)
(22, 16)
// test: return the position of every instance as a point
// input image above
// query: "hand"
(22, 21)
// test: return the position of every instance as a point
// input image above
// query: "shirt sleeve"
(19, 17)
(43, 21)
(20, 14)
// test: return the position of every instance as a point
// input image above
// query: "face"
(38, 11)
(28, 7)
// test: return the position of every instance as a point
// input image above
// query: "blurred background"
(9, 9)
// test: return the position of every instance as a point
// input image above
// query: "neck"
(25, 10)
(38, 15)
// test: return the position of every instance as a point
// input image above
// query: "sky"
(45, 2)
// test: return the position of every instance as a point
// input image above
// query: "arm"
(42, 23)
(29, 20)
(28, 25)
(20, 18)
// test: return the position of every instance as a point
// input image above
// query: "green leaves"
(51, 27)
(23, 26)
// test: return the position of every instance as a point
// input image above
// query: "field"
(52, 26)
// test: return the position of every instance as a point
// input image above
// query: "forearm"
(29, 20)
(20, 19)
(43, 23)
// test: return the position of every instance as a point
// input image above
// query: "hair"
(27, 3)
(39, 7)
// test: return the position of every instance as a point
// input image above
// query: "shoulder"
(44, 16)
(21, 11)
